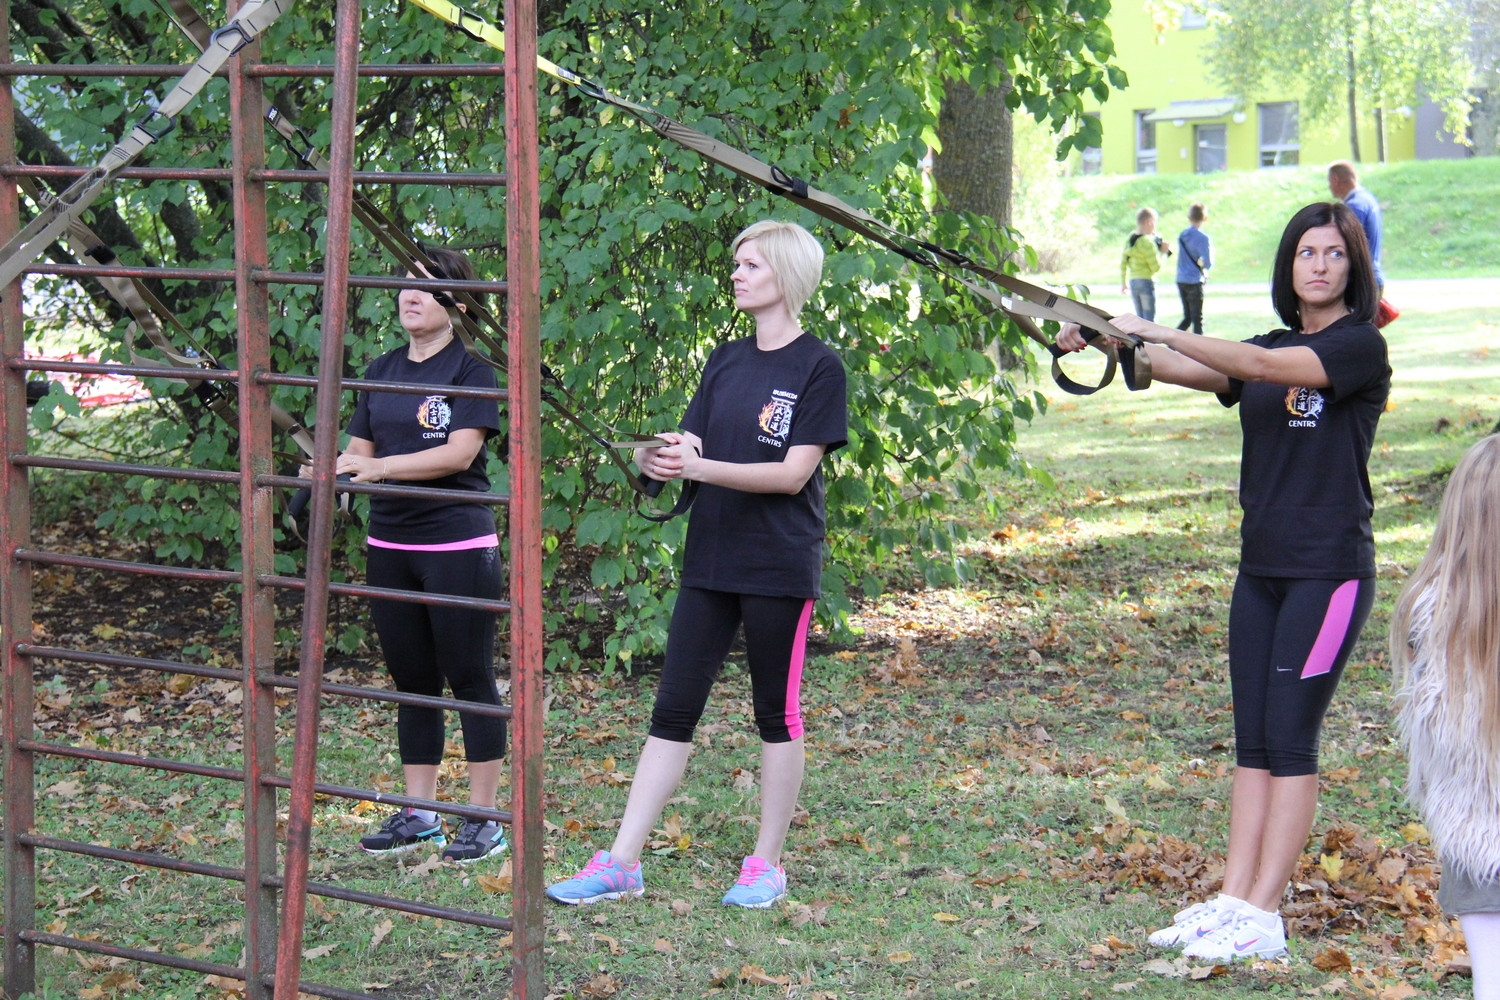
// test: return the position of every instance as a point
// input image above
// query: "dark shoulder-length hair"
(1360, 294)
(452, 265)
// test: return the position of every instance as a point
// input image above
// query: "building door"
(1213, 147)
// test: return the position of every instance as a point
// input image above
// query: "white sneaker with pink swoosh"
(1254, 933)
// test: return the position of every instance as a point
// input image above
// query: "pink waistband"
(482, 542)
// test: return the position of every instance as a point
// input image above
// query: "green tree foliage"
(1345, 55)
(635, 243)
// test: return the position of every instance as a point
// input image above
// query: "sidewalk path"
(1417, 294)
(1429, 294)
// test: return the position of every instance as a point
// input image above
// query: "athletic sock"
(1267, 920)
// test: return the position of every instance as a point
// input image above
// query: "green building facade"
(1175, 118)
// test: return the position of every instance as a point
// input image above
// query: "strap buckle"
(233, 28)
(795, 185)
(464, 15)
(307, 150)
(168, 123)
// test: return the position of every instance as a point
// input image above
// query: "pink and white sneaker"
(759, 885)
(602, 878)
(1253, 933)
(1196, 922)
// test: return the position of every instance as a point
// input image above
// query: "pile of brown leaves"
(1340, 890)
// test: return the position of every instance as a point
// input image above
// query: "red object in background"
(95, 390)
(1384, 313)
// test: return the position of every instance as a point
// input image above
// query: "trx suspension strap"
(29, 244)
(147, 312)
(480, 332)
(1019, 299)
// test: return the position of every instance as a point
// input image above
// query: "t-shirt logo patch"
(776, 416)
(1305, 406)
(434, 413)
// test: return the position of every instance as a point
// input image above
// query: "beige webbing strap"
(32, 241)
(188, 21)
(1039, 302)
(146, 312)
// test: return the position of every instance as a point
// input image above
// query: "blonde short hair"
(1344, 171)
(795, 257)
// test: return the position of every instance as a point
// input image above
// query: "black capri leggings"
(1288, 643)
(427, 645)
(704, 623)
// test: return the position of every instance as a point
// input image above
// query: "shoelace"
(470, 832)
(594, 867)
(401, 817)
(750, 876)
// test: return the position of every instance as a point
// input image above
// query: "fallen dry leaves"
(1334, 890)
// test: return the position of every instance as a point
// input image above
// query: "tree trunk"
(1353, 102)
(974, 171)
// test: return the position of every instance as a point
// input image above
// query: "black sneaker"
(402, 832)
(475, 841)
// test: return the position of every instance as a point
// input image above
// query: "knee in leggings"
(672, 730)
(1293, 765)
(778, 728)
(1252, 758)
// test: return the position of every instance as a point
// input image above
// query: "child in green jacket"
(1140, 261)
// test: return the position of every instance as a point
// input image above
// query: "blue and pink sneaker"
(759, 885)
(601, 878)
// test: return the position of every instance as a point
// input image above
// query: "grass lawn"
(1440, 218)
(1010, 784)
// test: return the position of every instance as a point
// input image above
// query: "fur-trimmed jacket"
(1452, 781)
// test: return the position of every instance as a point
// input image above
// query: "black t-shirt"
(751, 406)
(1304, 482)
(401, 423)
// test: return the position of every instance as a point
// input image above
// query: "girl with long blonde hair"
(1445, 651)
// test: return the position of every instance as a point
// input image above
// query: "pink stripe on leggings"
(482, 542)
(794, 675)
(1335, 629)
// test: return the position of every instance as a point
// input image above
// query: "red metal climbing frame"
(275, 895)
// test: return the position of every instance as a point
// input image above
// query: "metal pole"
(320, 537)
(16, 693)
(257, 536)
(524, 314)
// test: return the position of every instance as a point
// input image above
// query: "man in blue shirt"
(1194, 258)
(1344, 183)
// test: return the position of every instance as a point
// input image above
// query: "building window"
(1212, 144)
(1093, 157)
(1278, 134)
(1145, 143)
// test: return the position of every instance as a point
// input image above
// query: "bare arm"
(1208, 363)
(1247, 362)
(1166, 365)
(454, 456)
(786, 476)
(683, 459)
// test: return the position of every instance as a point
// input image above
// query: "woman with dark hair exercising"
(437, 547)
(1310, 396)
